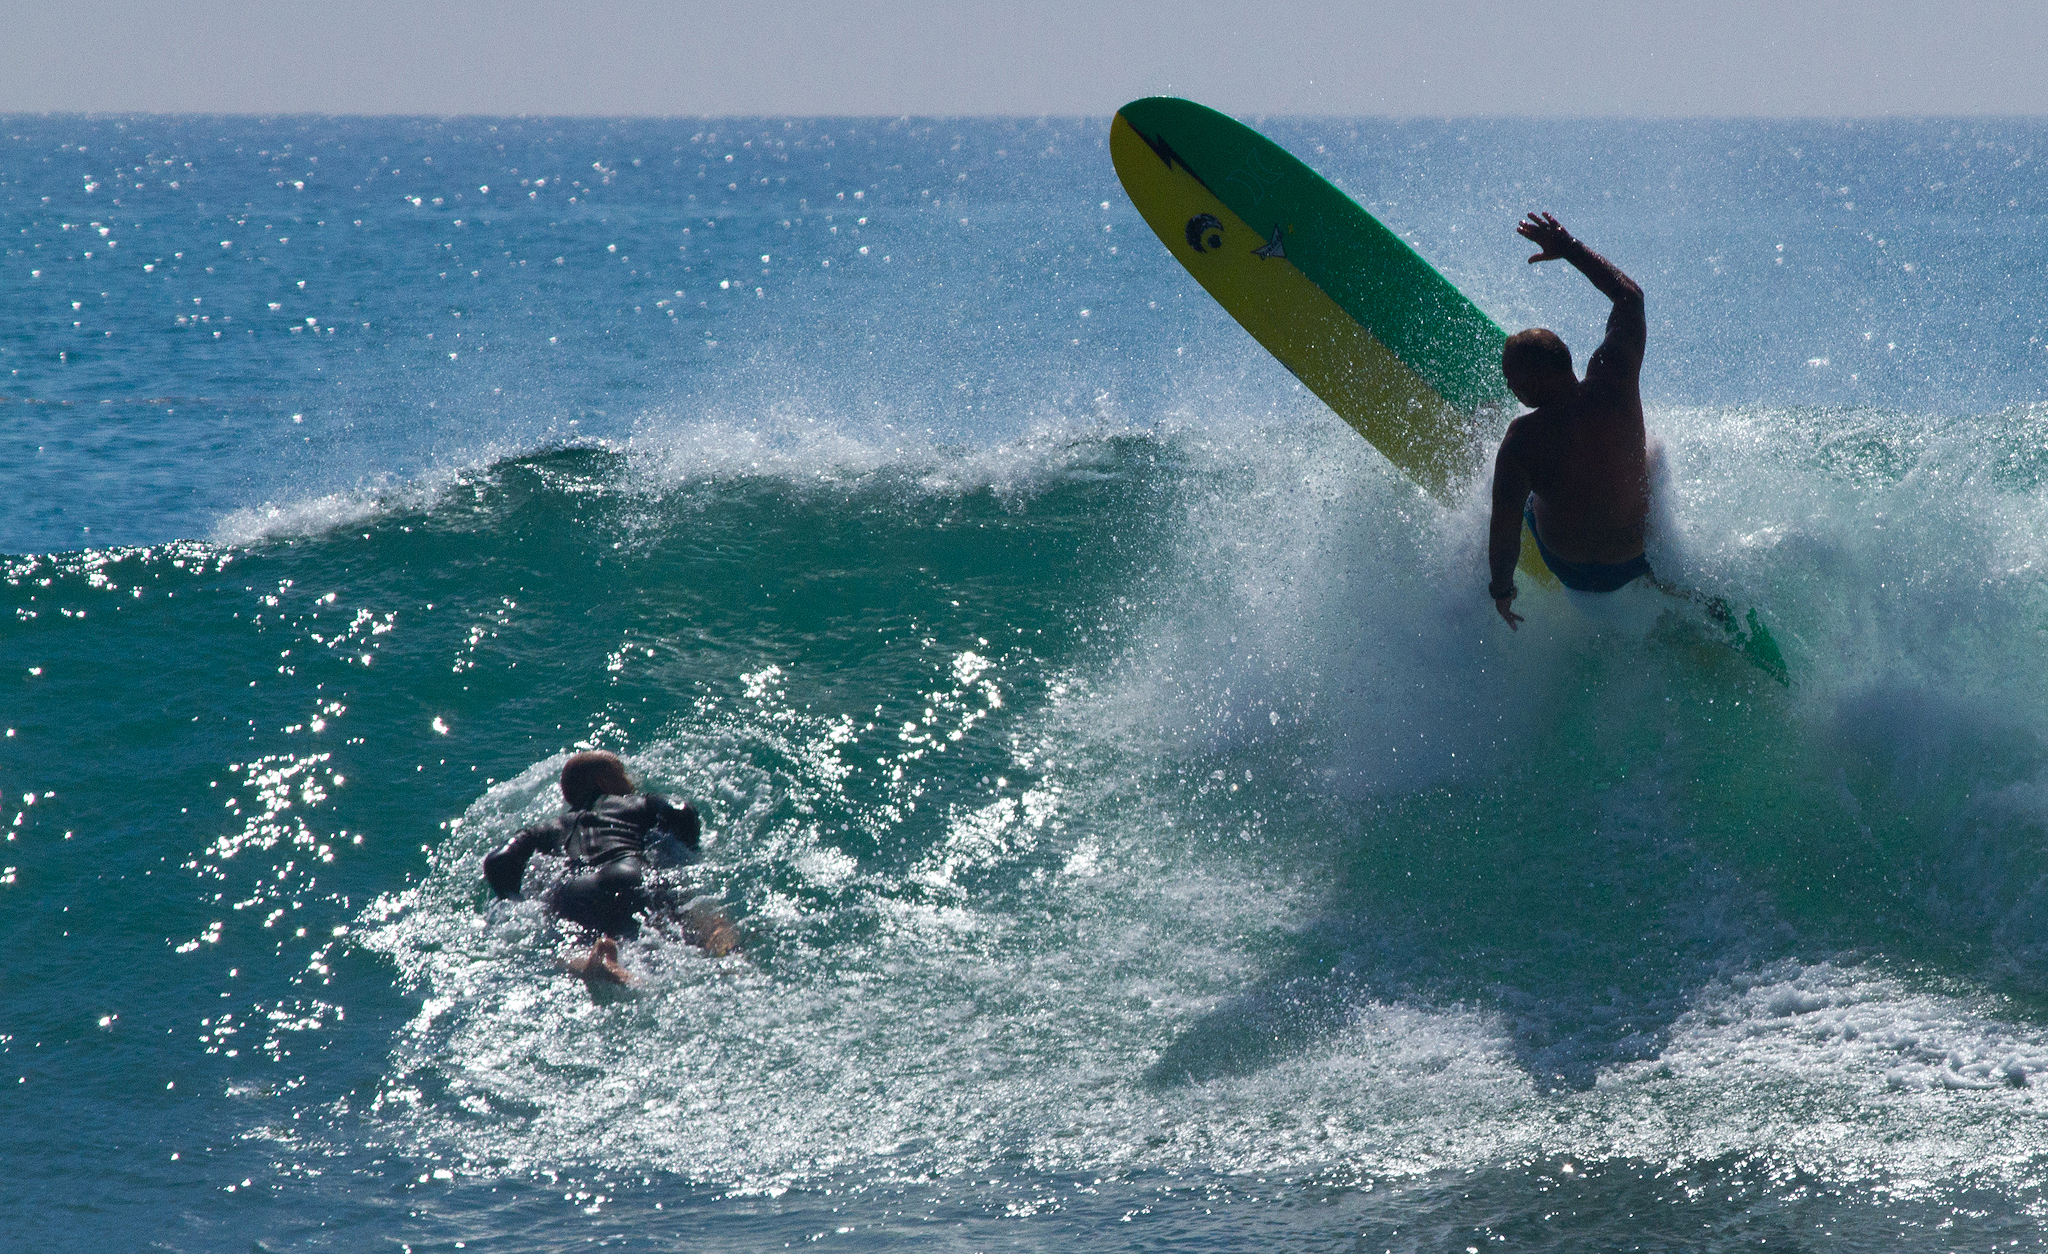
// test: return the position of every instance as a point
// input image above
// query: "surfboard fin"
(1756, 644)
(1761, 649)
(1272, 247)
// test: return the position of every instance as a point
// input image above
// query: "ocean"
(1144, 834)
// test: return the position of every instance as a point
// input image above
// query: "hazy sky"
(1436, 57)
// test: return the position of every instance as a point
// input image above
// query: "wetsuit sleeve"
(679, 821)
(505, 866)
(1619, 359)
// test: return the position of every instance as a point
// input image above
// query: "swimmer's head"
(588, 776)
(1537, 365)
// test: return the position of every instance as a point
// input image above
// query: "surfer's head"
(1537, 364)
(588, 776)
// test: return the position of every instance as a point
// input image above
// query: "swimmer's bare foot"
(601, 965)
(722, 939)
(708, 927)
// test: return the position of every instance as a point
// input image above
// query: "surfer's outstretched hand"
(1507, 613)
(1547, 233)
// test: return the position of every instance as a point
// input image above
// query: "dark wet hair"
(588, 776)
(1537, 351)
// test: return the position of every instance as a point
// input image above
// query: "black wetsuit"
(606, 846)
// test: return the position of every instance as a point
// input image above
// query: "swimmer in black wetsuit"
(606, 837)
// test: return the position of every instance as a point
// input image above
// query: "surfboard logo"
(1272, 247)
(1205, 232)
(1164, 151)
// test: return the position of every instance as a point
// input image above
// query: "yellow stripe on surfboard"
(1298, 323)
(1333, 354)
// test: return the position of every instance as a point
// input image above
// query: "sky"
(1652, 58)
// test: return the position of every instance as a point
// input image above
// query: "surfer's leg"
(697, 915)
(1665, 586)
(706, 926)
(601, 965)
(606, 898)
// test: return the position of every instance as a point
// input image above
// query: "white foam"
(333, 511)
(665, 453)
(1849, 1073)
(804, 452)
(254, 524)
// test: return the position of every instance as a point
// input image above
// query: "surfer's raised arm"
(1574, 469)
(1627, 329)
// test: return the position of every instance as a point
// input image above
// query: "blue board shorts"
(1587, 576)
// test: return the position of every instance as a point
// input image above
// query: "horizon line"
(1283, 115)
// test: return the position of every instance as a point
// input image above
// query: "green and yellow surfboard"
(1351, 309)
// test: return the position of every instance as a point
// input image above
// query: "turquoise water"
(1144, 835)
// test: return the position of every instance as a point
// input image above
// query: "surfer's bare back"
(1576, 466)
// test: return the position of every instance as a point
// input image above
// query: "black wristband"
(1493, 590)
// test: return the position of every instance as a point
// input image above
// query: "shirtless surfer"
(1576, 468)
(606, 837)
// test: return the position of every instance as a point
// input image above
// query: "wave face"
(1140, 834)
